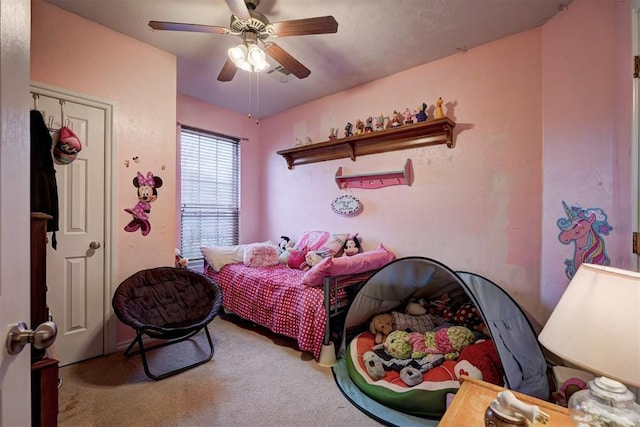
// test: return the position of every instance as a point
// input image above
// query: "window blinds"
(209, 200)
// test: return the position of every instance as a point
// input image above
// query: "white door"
(75, 270)
(15, 371)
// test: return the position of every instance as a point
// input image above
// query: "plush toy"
(448, 341)
(285, 247)
(418, 345)
(416, 307)
(296, 260)
(468, 315)
(351, 246)
(407, 322)
(380, 326)
(397, 345)
(480, 360)
(314, 257)
(180, 262)
(567, 389)
(441, 308)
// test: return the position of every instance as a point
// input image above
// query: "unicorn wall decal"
(585, 228)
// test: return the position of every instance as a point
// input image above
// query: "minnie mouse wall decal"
(147, 194)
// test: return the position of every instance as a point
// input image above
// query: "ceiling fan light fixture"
(237, 53)
(248, 57)
(244, 65)
(255, 55)
(261, 66)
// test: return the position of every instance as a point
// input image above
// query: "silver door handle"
(95, 245)
(19, 336)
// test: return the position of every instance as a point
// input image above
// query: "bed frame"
(242, 296)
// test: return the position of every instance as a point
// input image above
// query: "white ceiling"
(375, 38)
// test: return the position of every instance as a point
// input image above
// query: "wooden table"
(473, 397)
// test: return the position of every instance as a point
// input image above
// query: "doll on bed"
(351, 246)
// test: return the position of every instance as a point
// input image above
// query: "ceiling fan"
(255, 29)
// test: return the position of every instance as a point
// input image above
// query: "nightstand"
(468, 406)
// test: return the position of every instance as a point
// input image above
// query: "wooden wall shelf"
(422, 134)
(370, 181)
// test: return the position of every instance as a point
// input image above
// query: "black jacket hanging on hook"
(44, 189)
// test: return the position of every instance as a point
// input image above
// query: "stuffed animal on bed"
(380, 326)
(480, 360)
(468, 315)
(351, 246)
(397, 345)
(441, 308)
(285, 247)
(416, 307)
(312, 258)
(410, 323)
(448, 341)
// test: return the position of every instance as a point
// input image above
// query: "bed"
(300, 304)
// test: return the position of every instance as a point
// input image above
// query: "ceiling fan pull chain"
(257, 98)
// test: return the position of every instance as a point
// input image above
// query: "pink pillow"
(297, 260)
(260, 255)
(323, 241)
(359, 263)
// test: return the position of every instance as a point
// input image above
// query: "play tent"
(394, 284)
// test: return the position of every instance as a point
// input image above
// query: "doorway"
(78, 269)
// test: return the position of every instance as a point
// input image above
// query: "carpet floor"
(255, 378)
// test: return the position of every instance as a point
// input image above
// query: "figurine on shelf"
(380, 122)
(439, 113)
(396, 120)
(333, 134)
(368, 125)
(348, 130)
(359, 127)
(298, 142)
(421, 115)
(408, 117)
(308, 141)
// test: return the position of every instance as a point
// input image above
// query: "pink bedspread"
(275, 297)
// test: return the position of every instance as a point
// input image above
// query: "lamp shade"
(596, 323)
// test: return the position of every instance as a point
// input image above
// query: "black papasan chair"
(170, 304)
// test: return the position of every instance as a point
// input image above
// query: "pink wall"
(523, 105)
(475, 207)
(70, 52)
(587, 90)
(194, 113)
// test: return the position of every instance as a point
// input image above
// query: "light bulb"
(237, 53)
(255, 55)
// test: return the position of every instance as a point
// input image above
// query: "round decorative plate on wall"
(347, 205)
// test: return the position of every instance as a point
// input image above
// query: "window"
(209, 201)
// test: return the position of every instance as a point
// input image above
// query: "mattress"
(427, 399)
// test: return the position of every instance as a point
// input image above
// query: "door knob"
(95, 244)
(19, 336)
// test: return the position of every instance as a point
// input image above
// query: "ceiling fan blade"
(228, 71)
(286, 60)
(301, 27)
(238, 9)
(196, 28)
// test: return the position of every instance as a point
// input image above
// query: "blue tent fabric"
(404, 278)
(512, 333)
